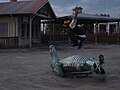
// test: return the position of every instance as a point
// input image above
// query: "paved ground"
(28, 69)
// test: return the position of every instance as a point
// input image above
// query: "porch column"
(98, 28)
(96, 32)
(50, 30)
(53, 30)
(94, 28)
(30, 32)
(116, 27)
(43, 28)
(118, 32)
(108, 28)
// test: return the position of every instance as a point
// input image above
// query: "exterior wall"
(18, 26)
(8, 32)
(12, 25)
(36, 32)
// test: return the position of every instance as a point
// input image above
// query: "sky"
(64, 7)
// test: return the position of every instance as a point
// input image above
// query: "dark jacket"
(78, 30)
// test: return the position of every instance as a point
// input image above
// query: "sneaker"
(79, 46)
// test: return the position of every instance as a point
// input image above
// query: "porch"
(8, 42)
(91, 38)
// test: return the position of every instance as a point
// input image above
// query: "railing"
(47, 38)
(8, 42)
(103, 38)
(91, 38)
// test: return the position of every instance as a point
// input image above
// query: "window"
(3, 29)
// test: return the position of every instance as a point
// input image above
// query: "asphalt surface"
(29, 68)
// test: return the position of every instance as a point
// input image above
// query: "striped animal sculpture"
(76, 64)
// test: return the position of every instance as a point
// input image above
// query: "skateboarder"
(78, 33)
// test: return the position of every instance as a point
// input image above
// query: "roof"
(83, 17)
(21, 7)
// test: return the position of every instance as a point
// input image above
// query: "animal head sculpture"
(55, 64)
(98, 68)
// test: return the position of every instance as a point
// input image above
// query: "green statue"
(76, 64)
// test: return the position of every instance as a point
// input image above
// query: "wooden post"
(30, 32)
(39, 31)
(118, 32)
(50, 28)
(96, 32)
(43, 28)
(108, 28)
(53, 30)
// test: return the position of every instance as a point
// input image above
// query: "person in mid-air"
(77, 32)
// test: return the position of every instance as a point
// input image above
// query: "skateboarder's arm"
(74, 20)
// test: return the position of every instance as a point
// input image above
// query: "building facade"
(22, 26)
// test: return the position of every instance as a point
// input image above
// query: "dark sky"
(112, 7)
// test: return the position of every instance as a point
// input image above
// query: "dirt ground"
(29, 68)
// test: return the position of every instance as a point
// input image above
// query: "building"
(20, 22)
(100, 29)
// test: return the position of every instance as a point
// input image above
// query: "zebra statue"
(76, 64)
